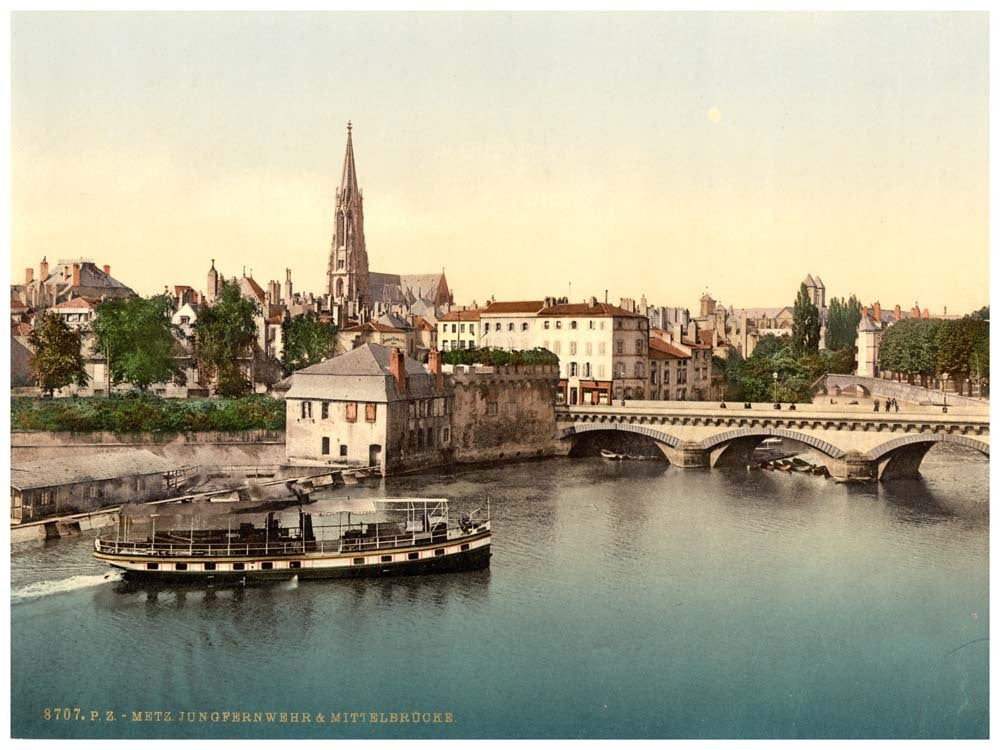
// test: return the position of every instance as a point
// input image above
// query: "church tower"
(348, 270)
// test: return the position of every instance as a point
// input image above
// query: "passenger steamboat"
(258, 540)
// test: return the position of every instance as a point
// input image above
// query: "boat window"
(238, 566)
(439, 551)
(295, 564)
(152, 566)
(465, 547)
(413, 556)
(266, 565)
(386, 558)
(359, 561)
(181, 566)
(209, 566)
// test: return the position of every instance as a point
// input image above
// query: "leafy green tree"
(959, 343)
(910, 347)
(841, 361)
(306, 341)
(499, 357)
(983, 313)
(805, 323)
(842, 323)
(137, 337)
(225, 333)
(58, 357)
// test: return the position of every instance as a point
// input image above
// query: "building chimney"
(899, 313)
(76, 274)
(877, 310)
(434, 363)
(675, 332)
(43, 270)
(398, 369)
(593, 302)
(107, 269)
(29, 275)
(693, 331)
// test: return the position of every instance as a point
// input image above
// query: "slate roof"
(361, 374)
(89, 468)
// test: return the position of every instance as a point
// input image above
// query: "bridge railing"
(839, 410)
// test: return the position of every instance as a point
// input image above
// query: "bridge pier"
(689, 455)
(853, 467)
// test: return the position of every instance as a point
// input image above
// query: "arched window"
(524, 326)
(510, 326)
(340, 288)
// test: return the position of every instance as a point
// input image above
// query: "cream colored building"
(511, 325)
(603, 350)
(459, 329)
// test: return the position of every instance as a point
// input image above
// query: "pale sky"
(657, 154)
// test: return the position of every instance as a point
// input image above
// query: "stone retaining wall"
(248, 447)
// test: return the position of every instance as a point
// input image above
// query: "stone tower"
(348, 270)
(212, 284)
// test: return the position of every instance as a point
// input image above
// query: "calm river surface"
(623, 600)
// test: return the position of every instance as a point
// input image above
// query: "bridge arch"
(638, 429)
(929, 438)
(901, 458)
(742, 433)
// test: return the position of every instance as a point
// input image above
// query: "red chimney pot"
(398, 369)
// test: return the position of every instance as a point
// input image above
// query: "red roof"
(461, 315)
(77, 303)
(587, 310)
(531, 306)
(255, 287)
(659, 349)
(422, 323)
(694, 345)
(373, 327)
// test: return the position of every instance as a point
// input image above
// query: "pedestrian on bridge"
(876, 406)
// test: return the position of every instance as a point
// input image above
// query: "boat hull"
(313, 567)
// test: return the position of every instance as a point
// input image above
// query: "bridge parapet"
(855, 440)
(880, 387)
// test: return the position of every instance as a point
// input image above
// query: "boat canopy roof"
(319, 506)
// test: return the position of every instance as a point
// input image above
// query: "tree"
(306, 341)
(842, 323)
(983, 313)
(58, 359)
(136, 335)
(909, 347)
(959, 342)
(225, 333)
(805, 324)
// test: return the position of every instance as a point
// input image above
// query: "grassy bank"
(147, 414)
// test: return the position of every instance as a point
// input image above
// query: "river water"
(624, 599)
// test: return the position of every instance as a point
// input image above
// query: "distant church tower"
(212, 284)
(348, 270)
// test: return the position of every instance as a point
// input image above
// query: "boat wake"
(62, 586)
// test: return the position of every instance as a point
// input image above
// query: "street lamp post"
(774, 375)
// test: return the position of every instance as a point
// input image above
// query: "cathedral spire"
(349, 180)
(348, 269)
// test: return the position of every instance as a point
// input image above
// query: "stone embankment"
(245, 448)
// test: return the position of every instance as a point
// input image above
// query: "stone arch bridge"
(859, 444)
